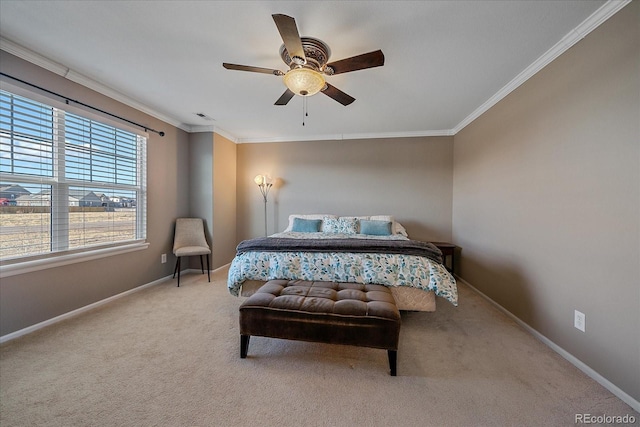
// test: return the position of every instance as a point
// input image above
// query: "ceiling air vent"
(204, 116)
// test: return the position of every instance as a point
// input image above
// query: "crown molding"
(32, 57)
(345, 136)
(574, 36)
(607, 10)
(119, 96)
(197, 129)
(225, 134)
(216, 129)
(59, 69)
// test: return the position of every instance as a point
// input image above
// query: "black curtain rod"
(67, 100)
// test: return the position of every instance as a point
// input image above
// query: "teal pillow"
(375, 228)
(306, 225)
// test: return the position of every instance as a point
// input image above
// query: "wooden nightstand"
(448, 250)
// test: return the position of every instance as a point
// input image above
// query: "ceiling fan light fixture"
(304, 81)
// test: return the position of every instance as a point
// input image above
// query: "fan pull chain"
(304, 109)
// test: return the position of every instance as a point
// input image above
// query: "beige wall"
(31, 298)
(546, 200)
(541, 193)
(212, 193)
(200, 189)
(410, 178)
(224, 206)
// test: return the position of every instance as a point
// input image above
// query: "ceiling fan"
(307, 59)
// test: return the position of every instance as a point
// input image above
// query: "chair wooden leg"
(179, 271)
(201, 265)
(208, 269)
(176, 267)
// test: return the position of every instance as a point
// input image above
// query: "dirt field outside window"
(24, 234)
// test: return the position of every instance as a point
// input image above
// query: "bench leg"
(244, 345)
(393, 357)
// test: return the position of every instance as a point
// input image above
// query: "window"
(68, 183)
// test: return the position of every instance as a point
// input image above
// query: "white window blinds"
(67, 183)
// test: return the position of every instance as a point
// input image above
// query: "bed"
(360, 249)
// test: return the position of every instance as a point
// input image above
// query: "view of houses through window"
(94, 217)
(67, 183)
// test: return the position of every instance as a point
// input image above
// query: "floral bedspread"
(368, 268)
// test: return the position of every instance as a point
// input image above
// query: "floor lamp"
(264, 184)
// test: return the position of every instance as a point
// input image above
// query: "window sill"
(58, 261)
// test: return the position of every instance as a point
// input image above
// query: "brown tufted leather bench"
(327, 312)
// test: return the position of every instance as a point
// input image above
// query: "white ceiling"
(446, 61)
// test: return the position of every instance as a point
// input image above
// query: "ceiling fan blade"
(359, 62)
(338, 95)
(290, 36)
(285, 98)
(252, 69)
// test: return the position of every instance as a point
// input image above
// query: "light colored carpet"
(169, 356)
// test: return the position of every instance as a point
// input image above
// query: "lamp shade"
(304, 81)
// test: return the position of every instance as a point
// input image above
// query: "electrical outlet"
(579, 320)
(163, 258)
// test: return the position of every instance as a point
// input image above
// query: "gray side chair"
(189, 240)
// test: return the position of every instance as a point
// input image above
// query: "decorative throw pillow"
(344, 225)
(375, 228)
(306, 225)
(348, 224)
(330, 225)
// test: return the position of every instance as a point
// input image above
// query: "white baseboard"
(76, 312)
(86, 308)
(562, 352)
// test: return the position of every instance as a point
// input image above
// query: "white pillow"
(306, 216)
(382, 218)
